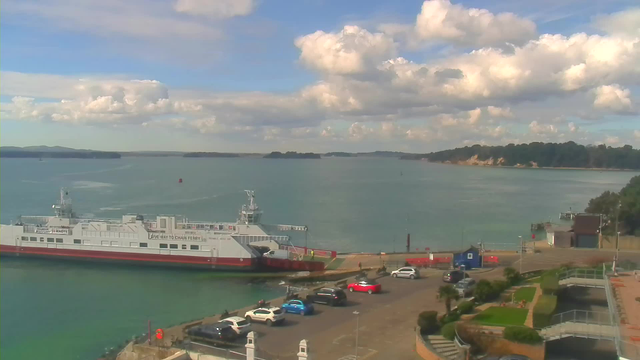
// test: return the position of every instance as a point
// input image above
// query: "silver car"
(465, 287)
(408, 272)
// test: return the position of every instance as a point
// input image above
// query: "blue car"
(302, 307)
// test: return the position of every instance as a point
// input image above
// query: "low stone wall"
(423, 348)
(626, 242)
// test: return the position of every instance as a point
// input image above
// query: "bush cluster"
(522, 334)
(465, 307)
(449, 331)
(428, 322)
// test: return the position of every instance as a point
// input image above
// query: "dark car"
(329, 296)
(219, 331)
(453, 276)
(362, 276)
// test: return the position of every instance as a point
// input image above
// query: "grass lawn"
(535, 280)
(502, 316)
(525, 293)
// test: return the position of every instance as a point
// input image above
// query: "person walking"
(313, 254)
(360, 265)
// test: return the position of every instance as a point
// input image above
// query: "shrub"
(449, 318)
(512, 275)
(549, 284)
(543, 310)
(428, 322)
(522, 334)
(465, 307)
(499, 286)
(449, 331)
(484, 290)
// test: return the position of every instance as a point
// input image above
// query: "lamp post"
(357, 314)
(521, 251)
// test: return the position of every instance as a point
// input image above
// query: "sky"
(318, 75)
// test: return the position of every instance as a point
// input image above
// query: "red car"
(367, 286)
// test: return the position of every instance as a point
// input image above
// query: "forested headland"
(537, 154)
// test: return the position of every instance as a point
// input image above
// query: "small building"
(469, 258)
(557, 235)
(586, 230)
(563, 239)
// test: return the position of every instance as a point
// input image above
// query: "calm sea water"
(69, 311)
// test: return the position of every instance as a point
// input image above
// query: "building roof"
(586, 224)
(471, 248)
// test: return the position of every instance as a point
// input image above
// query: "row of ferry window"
(114, 243)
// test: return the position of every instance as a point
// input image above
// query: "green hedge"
(449, 331)
(522, 334)
(465, 307)
(543, 310)
(484, 291)
(428, 322)
(452, 317)
(549, 284)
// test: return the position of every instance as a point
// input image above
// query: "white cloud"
(499, 112)
(538, 129)
(623, 23)
(612, 140)
(358, 131)
(613, 97)
(350, 51)
(573, 127)
(217, 9)
(439, 20)
(144, 19)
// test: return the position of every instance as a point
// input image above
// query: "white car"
(270, 316)
(240, 325)
(408, 272)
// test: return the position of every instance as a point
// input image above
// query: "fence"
(582, 317)
(582, 274)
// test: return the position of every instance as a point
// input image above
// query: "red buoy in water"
(180, 180)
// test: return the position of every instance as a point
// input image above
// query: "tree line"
(567, 154)
(623, 206)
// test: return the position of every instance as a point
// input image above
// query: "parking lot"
(386, 322)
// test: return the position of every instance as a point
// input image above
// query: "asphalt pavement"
(385, 323)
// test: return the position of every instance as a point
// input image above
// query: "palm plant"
(448, 294)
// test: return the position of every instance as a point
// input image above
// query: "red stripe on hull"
(227, 263)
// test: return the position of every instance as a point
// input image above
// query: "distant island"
(538, 155)
(291, 155)
(55, 152)
(339, 154)
(210, 155)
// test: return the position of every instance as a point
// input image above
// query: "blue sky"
(245, 75)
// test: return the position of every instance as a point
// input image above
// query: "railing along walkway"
(582, 277)
(580, 323)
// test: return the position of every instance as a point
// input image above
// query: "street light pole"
(357, 314)
(521, 251)
(617, 232)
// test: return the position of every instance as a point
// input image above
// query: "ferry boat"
(165, 240)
